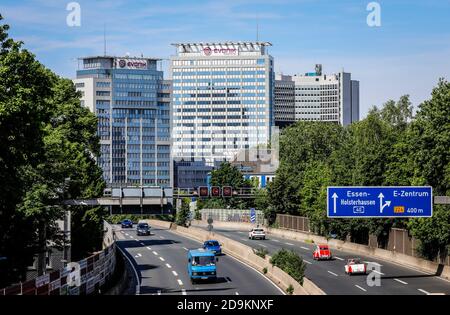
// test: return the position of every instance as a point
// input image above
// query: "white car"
(355, 266)
(257, 233)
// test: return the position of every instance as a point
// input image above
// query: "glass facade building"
(132, 103)
(222, 100)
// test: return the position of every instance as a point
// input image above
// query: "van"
(202, 265)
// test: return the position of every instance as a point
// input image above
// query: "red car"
(322, 252)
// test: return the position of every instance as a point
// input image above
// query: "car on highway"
(127, 223)
(142, 228)
(355, 266)
(213, 246)
(257, 233)
(202, 265)
(322, 251)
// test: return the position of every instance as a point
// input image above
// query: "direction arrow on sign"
(373, 202)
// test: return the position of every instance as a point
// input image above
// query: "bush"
(261, 252)
(290, 289)
(291, 263)
(264, 270)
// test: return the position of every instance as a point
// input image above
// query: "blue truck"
(202, 265)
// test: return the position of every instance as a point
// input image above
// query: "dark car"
(214, 246)
(127, 223)
(143, 229)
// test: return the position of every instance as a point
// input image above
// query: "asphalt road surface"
(330, 275)
(161, 263)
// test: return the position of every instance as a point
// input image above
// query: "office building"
(317, 97)
(223, 95)
(132, 102)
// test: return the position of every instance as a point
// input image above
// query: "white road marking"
(262, 245)
(155, 253)
(161, 237)
(360, 288)
(237, 293)
(180, 282)
(149, 248)
(332, 273)
(380, 273)
(138, 255)
(185, 248)
(127, 234)
(175, 273)
(305, 248)
(338, 258)
(159, 292)
(227, 280)
(402, 282)
(289, 244)
(183, 292)
(243, 239)
(168, 266)
(423, 291)
(276, 241)
(308, 262)
(162, 259)
(142, 244)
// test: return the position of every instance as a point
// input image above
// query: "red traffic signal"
(203, 191)
(215, 191)
(227, 191)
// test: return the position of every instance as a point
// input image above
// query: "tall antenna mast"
(104, 39)
(257, 27)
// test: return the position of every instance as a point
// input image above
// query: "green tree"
(228, 175)
(182, 216)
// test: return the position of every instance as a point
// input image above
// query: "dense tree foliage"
(48, 146)
(388, 147)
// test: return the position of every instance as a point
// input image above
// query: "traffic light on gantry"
(203, 191)
(227, 191)
(216, 191)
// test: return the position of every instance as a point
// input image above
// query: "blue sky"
(405, 55)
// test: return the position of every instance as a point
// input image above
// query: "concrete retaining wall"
(245, 254)
(402, 259)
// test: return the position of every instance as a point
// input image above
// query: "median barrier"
(246, 255)
(401, 259)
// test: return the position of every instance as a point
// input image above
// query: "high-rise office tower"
(132, 102)
(223, 96)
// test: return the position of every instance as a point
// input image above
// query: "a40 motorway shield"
(376, 202)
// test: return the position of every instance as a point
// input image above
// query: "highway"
(330, 276)
(160, 261)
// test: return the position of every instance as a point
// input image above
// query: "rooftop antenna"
(257, 27)
(104, 39)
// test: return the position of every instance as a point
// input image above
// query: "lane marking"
(175, 273)
(138, 255)
(149, 248)
(168, 266)
(289, 244)
(305, 248)
(155, 253)
(276, 240)
(338, 258)
(376, 271)
(262, 245)
(185, 248)
(243, 239)
(183, 292)
(237, 293)
(402, 282)
(423, 291)
(308, 262)
(161, 237)
(360, 288)
(332, 273)
(159, 292)
(162, 259)
(180, 282)
(127, 234)
(142, 244)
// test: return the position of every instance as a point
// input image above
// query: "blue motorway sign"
(252, 215)
(376, 202)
